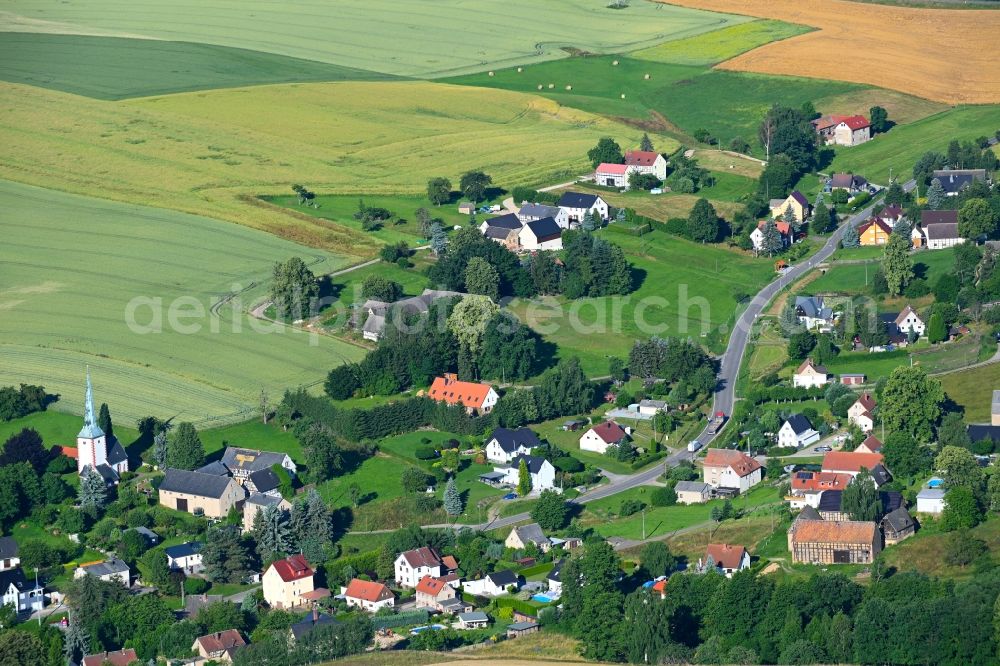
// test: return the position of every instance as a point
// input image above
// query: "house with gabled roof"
(647, 161)
(797, 431)
(725, 559)
(850, 462)
(612, 175)
(843, 130)
(257, 502)
(112, 569)
(477, 398)
(542, 472)
(529, 212)
(874, 232)
(728, 468)
(433, 593)
(199, 493)
(122, 657)
(833, 542)
(872, 444)
(862, 412)
(601, 436)
(812, 312)
(830, 505)
(185, 557)
(847, 181)
(241, 462)
(220, 646)
(953, 181)
(493, 584)
(942, 235)
(543, 234)
(287, 582)
(412, 565)
(692, 492)
(368, 595)
(897, 525)
(16, 591)
(796, 202)
(373, 315)
(574, 205)
(784, 230)
(310, 622)
(505, 444)
(806, 487)
(810, 375)
(892, 214)
(908, 320)
(521, 536)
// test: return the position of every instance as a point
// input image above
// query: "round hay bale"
(551, 86)
(569, 87)
(623, 95)
(646, 76)
(491, 73)
(520, 69)
(614, 63)
(540, 86)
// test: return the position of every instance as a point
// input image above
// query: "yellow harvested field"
(944, 55)
(211, 153)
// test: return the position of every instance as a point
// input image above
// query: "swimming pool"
(417, 630)
(935, 483)
(541, 598)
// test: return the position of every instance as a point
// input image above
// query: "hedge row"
(757, 394)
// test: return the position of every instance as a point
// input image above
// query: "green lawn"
(60, 428)
(851, 278)
(421, 38)
(135, 293)
(252, 435)
(685, 289)
(973, 389)
(114, 68)
(900, 148)
(662, 520)
(718, 45)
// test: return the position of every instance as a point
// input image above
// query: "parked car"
(510, 496)
(824, 449)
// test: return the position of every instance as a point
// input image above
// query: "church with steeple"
(92, 446)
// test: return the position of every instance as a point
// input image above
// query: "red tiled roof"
(867, 401)
(617, 169)
(430, 585)
(872, 443)
(783, 227)
(609, 431)
(827, 122)
(640, 157)
(841, 532)
(295, 567)
(660, 586)
(820, 481)
(315, 595)
(69, 452)
(119, 658)
(740, 462)
(850, 461)
(422, 557)
(221, 641)
(452, 391)
(367, 590)
(874, 221)
(724, 555)
(449, 562)
(856, 122)
(893, 212)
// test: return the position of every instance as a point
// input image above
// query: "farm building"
(529, 212)
(574, 205)
(833, 542)
(542, 234)
(931, 500)
(647, 161)
(612, 175)
(199, 493)
(843, 130)
(476, 398)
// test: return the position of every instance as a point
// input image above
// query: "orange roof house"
(729, 559)
(850, 462)
(872, 444)
(219, 646)
(120, 658)
(834, 542)
(368, 595)
(874, 232)
(819, 481)
(475, 397)
(727, 468)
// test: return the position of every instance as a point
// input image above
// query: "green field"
(973, 389)
(115, 68)
(423, 38)
(714, 47)
(686, 289)
(901, 147)
(851, 278)
(727, 104)
(72, 265)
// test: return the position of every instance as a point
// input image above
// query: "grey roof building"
(535, 211)
(379, 311)
(243, 462)
(194, 483)
(544, 229)
(8, 549)
(691, 486)
(799, 423)
(509, 440)
(532, 533)
(812, 307)
(215, 467)
(107, 568)
(577, 200)
(305, 626)
(263, 481)
(508, 221)
(955, 180)
(503, 578)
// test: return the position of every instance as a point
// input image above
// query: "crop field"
(889, 47)
(727, 104)
(420, 38)
(71, 267)
(713, 47)
(116, 68)
(202, 153)
(900, 148)
(685, 289)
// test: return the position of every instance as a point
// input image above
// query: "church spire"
(90, 428)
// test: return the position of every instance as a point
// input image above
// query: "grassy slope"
(421, 38)
(718, 45)
(850, 278)
(115, 68)
(65, 303)
(203, 153)
(972, 389)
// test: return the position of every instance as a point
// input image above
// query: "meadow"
(72, 265)
(113, 68)
(718, 45)
(972, 389)
(857, 278)
(684, 289)
(202, 153)
(423, 38)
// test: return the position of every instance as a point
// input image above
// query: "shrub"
(425, 452)
(665, 496)
(630, 507)
(195, 586)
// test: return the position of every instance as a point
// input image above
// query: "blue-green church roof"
(90, 428)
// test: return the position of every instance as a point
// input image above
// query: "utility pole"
(643, 524)
(43, 598)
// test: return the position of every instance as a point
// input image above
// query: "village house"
(19, 593)
(953, 181)
(850, 462)
(647, 161)
(199, 493)
(373, 315)
(287, 581)
(541, 471)
(520, 537)
(503, 230)
(241, 463)
(601, 436)
(612, 175)
(833, 542)
(542, 234)
(897, 525)
(796, 201)
(813, 313)
(505, 221)
(797, 431)
(414, 564)
(848, 181)
(874, 232)
(256, 503)
(942, 235)
(219, 646)
(908, 320)
(466, 207)
(649, 407)
(862, 412)
(725, 559)
(810, 375)
(757, 235)
(727, 468)
(9, 554)
(931, 501)
(807, 487)
(109, 570)
(692, 492)
(185, 557)
(123, 657)
(892, 215)
(504, 444)
(872, 444)
(843, 130)
(492, 584)
(433, 592)
(474, 620)
(853, 379)
(574, 205)
(476, 398)
(368, 595)
(529, 212)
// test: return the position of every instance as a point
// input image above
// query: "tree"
(468, 320)
(606, 151)
(185, 450)
(822, 220)
(438, 239)
(646, 144)
(904, 456)
(342, 381)
(453, 504)
(474, 183)
(481, 278)
(936, 331)
(272, 532)
(962, 549)
(739, 145)
(104, 421)
(961, 510)
(959, 468)
(800, 344)
(413, 480)
(76, 643)
(851, 237)
(293, 289)
(911, 402)
(777, 179)
(703, 222)
(225, 556)
(551, 512)
(323, 458)
(861, 499)
(510, 349)
(770, 241)
(25, 446)
(897, 264)
(439, 190)
(381, 289)
(311, 519)
(523, 478)
(617, 369)
(977, 218)
(93, 492)
(879, 119)
(935, 195)
(656, 559)
(788, 131)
